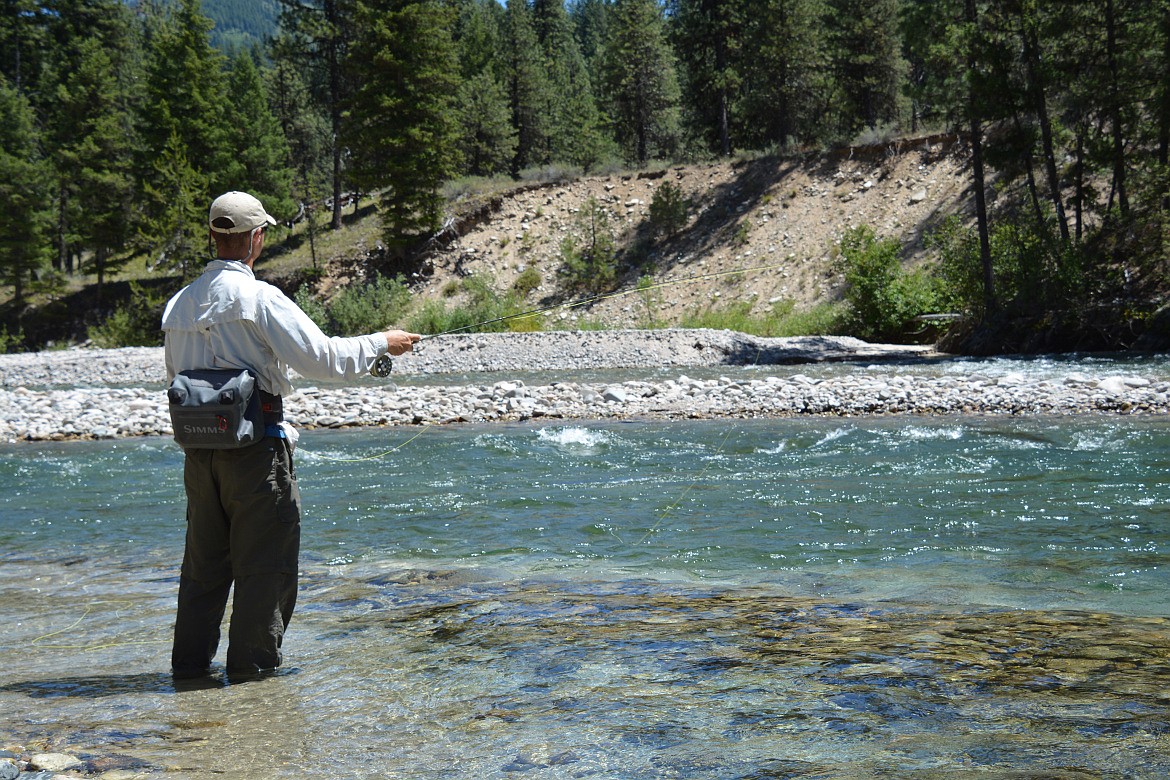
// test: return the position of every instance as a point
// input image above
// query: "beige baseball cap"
(237, 212)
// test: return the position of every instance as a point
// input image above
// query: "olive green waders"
(243, 527)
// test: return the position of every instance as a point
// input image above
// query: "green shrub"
(11, 342)
(651, 300)
(742, 234)
(959, 270)
(821, 320)
(589, 262)
(433, 317)
(135, 323)
(669, 209)
(883, 298)
(528, 281)
(1030, 270)
(486, 311)
(313, 306)
(367, 308)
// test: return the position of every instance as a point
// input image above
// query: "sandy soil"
(781, 220)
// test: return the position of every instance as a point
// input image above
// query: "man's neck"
(248, 261)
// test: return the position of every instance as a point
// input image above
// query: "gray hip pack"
(216, 409)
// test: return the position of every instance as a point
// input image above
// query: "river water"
(829, 598)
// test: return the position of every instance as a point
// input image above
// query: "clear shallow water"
(778, 598)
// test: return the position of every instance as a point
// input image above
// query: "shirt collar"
(230, 265)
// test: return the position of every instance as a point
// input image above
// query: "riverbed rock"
(54, 762)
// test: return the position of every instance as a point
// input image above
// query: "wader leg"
(206, 575)
(265, 508)
(197, 624)
(261, 609)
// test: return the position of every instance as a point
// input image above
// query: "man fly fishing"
(231, 343)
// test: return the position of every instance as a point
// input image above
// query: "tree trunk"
(989, 303)
(980, 180)
(1030, 174)
(334, 63)
(99, 260)
(64, 261)
(720, 69)
(1164, 108)
(1115, 110)
(1039, 102)
(1080, 184)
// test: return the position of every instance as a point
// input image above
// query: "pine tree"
(1027, 20)
(187, 95)
(948, 53)
(84, 102)
(306, 128)
(575, 133)
(23, 219)
(93, 158)
(707, 35)
(22, 43)
(400, 122)
(641, 83)
(315, 36)
(174, 198)
(1157, 72)
(784, 64)
(591, 21)
(487, 139)
(527, 86)
(479, 38)
(259, 150)
(1159, 34)
(935, 61)
(187, 155)
(867, 63)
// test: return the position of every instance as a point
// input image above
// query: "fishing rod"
(383, 365)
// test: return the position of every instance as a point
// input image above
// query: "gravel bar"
(103, 394)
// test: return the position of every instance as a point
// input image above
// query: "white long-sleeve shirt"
(227, 318)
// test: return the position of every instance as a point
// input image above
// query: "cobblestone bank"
(49, 414)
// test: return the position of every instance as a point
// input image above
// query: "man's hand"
(399, 341)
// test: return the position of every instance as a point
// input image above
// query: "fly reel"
(382, 367)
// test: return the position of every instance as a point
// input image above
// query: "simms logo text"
(221, 426)
(201, 429)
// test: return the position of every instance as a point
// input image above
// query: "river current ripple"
(866, 597)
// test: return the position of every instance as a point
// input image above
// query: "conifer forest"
(120, 121)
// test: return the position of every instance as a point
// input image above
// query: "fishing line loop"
(379, 456)
(39, 642)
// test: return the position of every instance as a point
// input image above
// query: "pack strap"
(273, 408)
